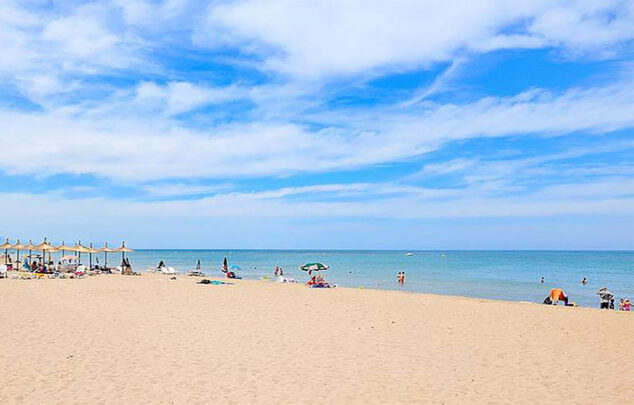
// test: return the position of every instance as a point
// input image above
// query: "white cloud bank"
(113, 142)
(317, 38)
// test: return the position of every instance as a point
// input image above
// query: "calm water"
(507, 275)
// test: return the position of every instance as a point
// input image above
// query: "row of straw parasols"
(78, 248)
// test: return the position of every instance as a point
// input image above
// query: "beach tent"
(313, 267)
(123, 249)
(105, 251)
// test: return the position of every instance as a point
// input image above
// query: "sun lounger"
(3, 271)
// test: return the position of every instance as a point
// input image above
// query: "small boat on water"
(409, 254)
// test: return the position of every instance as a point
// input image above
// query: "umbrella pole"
(90, 261)
(105, 255)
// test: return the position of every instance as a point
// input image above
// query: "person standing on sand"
(605, 297)
(275, 271)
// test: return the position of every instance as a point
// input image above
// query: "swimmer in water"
(542, 280)
(584, 281)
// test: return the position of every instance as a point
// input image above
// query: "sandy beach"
(113, 339)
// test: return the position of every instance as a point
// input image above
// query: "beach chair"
(3, 271)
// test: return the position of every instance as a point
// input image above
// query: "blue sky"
(319, 124)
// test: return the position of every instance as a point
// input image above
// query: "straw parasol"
(91, 250)
(44, 247)
(29, 246)
(18, 246)
(79, 248)
(6, 246)
(105, 251)
(64, 248)
(123, 250)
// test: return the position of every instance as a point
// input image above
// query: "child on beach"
(626, 305)
(621, 305)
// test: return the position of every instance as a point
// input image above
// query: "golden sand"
(149, 340)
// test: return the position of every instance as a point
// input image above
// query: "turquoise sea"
(506, 275)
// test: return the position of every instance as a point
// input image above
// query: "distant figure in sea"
(401, 277)
(584, 281)
(276, 271)
(281, 271)
(542, 280)
(606, 298)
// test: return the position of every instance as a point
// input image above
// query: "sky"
(318, 124)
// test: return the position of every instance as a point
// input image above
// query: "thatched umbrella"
(30, 246)
(44, 247)
(91, 250)
(79, 248)
(64, 248)
(6, 246)
(123, 250)
(105, 251)
(18, 246)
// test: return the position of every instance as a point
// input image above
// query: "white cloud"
(118, 144)
(179, 97)
(316, 38)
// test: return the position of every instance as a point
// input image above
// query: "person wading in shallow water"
(401, 277)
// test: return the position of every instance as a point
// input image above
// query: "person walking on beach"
(605, 296)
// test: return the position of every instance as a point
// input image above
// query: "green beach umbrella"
(313, 267)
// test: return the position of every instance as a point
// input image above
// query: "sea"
(503, 275)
